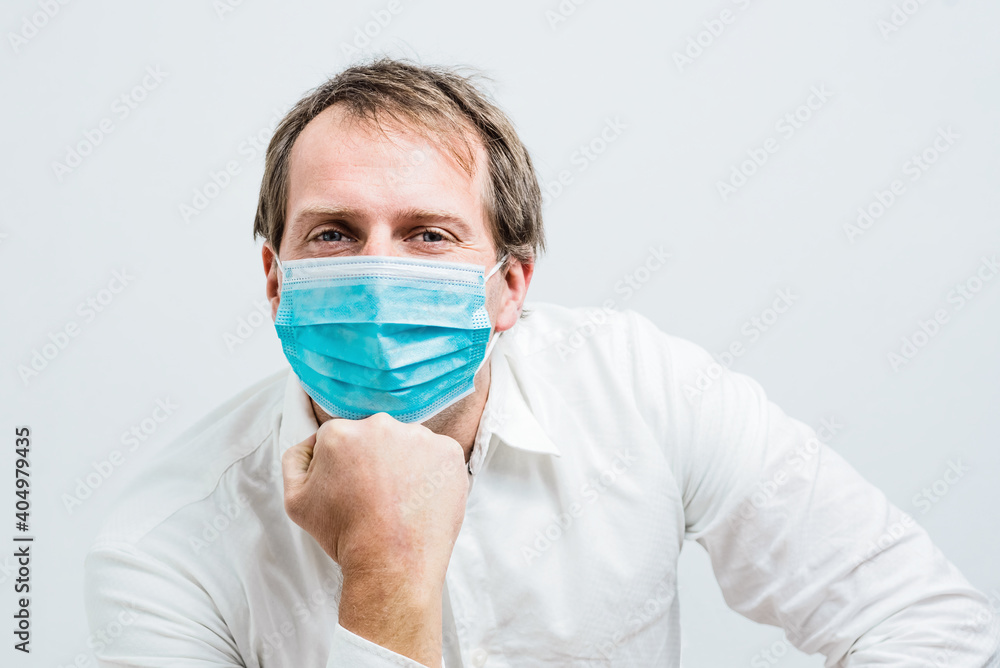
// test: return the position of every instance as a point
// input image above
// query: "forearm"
(958, 628)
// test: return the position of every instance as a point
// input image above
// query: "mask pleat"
(385, 346)
(421, 372)
(350, 400)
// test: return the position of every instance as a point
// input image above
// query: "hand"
(386, 501)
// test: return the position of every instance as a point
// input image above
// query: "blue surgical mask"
(369, 334)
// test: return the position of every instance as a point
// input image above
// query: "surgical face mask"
(369, 334)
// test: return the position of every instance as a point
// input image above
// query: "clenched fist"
(386, 501)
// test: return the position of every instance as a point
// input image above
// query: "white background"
(228, 73)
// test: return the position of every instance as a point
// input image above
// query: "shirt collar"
(298, 422)
(506, 416)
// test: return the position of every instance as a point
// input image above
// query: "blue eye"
(431, 237)
(331, 235)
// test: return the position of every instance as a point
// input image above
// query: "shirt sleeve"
(144, 614)
(797, 538)
(350, 650)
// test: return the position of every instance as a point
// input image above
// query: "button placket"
(468, 589)
(479, 657)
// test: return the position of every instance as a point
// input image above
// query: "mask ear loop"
(495, 268)
(489, 349)
(495, 336)
(281, 272)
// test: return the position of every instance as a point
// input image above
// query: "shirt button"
(479, 657)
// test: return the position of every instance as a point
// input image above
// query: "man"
(440, 480)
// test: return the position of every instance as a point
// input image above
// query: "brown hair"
(435, 101)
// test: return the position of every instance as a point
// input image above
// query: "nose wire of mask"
(495, 269)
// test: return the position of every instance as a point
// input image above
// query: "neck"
(460, 421)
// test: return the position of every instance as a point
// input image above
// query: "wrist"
(388, 586)
(403, 617)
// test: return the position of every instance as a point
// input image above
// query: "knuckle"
(382, 425)
(382, 420)
(448, 444)
(336, 431)
(326, 431)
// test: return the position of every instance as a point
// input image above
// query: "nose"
(379, 241)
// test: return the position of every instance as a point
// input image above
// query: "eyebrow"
(413, 214)
(326, 211)
(437, 216)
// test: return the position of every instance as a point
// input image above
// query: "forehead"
(338, 146)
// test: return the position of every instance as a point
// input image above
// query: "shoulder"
(564, 338)
(191, 468)
(602, 359)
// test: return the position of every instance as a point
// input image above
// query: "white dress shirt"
(601, 449)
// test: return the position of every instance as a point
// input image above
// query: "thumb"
(295, 463)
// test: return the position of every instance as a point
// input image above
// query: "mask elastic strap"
(489, 349)
(496, 334)
(495, 268)
(281, 271)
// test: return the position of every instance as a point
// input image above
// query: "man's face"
(354, 190)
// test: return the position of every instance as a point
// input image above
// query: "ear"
(516, 279)
(271, 271)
